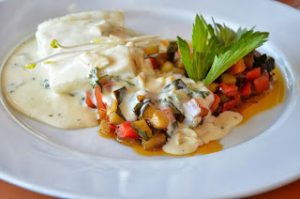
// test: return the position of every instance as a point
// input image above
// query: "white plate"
(260, 155)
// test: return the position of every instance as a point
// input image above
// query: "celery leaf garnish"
(215, 48)
(248, 41)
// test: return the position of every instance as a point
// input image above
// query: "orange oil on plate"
(265, 101)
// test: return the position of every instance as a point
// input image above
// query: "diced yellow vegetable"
(237, 68)
(155, 142)
(113, 108)
(148, 113)
(115, 119)
(142, 125)
(104, 127)
(228, 78)
(150, 50)
(140, 97)
(159, 120)
(213, 87)
(167, 67)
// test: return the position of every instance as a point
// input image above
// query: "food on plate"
(87, 69)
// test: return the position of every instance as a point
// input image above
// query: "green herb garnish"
(54, 44)
(215, 48)
(247, 42)
(30, 66)
(46, 84)
(93, 77)
(49, 62)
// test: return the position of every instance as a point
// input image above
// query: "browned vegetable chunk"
(104, 128)
(159, 120)
(148, 113)
(143, 126)
(115, 119)
(155, 142)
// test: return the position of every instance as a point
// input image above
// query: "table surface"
(290, 191)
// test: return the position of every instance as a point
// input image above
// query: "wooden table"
(290, 191)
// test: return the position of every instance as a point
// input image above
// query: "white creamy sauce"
(26, 92)
(54, 91)
(186, 140)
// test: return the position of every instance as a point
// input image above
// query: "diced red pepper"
(112, 128)
(88, 100)
(100, 104)
(232, 103)
(204, 110)
(246, 90)
(125, 130)
(237, 98)
(154, 63)
(99, 98)
(229, 105)
(261, 83)
(215, 104)
(253, 74)
(229, 90)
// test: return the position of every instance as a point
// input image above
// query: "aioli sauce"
(29, 92)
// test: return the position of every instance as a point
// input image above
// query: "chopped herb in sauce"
(93, 78)
(46, 84)
(118, 79)
(203, 94)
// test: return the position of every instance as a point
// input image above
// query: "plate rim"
(47, 190)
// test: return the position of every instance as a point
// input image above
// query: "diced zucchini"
(159, 120)
(113, 108)
(142, 125)
(172, 49)
(155, 142)
(148, 113)
(115, 119)
(120, 94)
